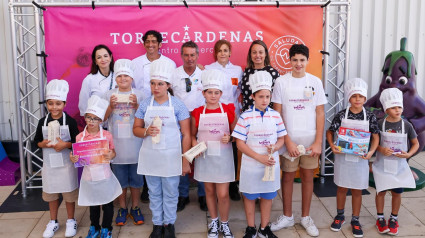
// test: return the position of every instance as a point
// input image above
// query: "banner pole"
(325, 82)
(17, 100)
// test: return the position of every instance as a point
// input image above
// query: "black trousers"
(108, 215)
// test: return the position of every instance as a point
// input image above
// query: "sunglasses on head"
(188, 84)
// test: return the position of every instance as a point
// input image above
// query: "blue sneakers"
(122, 215)
(137, 216)
(105, 233)
(93, 233)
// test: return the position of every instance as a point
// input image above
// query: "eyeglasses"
(91, 119)
(188, 84)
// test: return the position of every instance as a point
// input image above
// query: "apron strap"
(63, 119)
(84, 133)
(221, 108)
(169, 100)
(348, 109)
(402, 126)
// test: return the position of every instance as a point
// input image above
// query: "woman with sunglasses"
(258, 59)
(160, 157)
(100, 79)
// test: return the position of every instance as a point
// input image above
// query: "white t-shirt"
(94, 84)
(231, 88)
(286, 82)
(142, 71)
(194, 98)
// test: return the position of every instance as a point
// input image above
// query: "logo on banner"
(279, 53)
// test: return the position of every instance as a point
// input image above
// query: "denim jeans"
(184, 187)
(163, 196)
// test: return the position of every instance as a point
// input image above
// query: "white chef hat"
(260, 80)
(97, 106)
(355, 86)
(391, 97)
(123, 66)
(162, 69)
(212, 78)
(57, 89)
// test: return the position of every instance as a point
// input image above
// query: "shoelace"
(309, 222)
(381, 222)
(226, 229)
(213, 226)
(392, 223)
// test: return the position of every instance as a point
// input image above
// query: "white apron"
(299, 114)
(59, 174)
(165, 158)
(218, 165)
(261, 134)
(351, 171)
(98, 184)
(121, 122)
(390, 171)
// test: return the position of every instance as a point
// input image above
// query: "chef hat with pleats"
(123, 66)
(97, 106)
(57, 89)
(260, 80)
(391, 97)
(355, 86)
(212, 78)
(162, 70)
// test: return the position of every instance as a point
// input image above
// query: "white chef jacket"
(142, 71)
(231, 88)
(94, 84)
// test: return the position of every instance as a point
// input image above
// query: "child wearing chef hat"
(212, 124)
(352, 171)
(390, 169)
(123, 103)
(259, 134)
(59, 174)
(98, 185)
(162, 120)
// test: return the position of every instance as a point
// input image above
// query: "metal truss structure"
(27, 35)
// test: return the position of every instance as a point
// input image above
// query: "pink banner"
(72, 32)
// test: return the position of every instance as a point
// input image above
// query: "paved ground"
(192, 222)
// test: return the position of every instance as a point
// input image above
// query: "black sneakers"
(250, 232)
(169, 231)
(157, 231)
(339, 220)
(357, 228)
(266, 233)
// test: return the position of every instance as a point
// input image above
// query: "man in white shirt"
(300, 98)
(186, 85)
(152, 41)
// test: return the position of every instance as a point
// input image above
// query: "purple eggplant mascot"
(399, 71)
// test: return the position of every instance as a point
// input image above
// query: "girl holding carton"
(59, 174)
(98, 185)
(210, 123)
(124, 102)
(259, 134)
(352, 171)
(390, 169)
(160, 157)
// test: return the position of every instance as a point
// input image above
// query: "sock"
(224, 222)
(354, 218)
(340, 212)
(380, 215)
(214, 219)
(394, 216)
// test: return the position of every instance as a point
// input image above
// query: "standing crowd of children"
(148, 133)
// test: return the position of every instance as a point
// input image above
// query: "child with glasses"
(98, 185)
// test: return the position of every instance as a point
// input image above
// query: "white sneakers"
(284, 221)
(53, 226)
(71, 228)
(309, 226)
